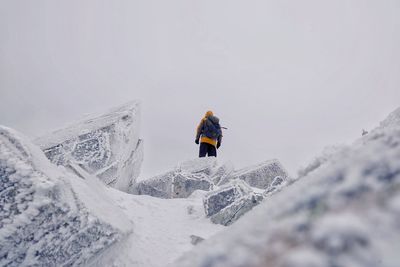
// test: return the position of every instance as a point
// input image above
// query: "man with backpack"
(209, 135)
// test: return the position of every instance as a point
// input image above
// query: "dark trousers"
(209, 149)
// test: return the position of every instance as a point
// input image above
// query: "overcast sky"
(286, 77)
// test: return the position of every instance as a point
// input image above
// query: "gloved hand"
(218, 144)
(196, 141)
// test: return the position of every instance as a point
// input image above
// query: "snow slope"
(162, 229)
(345, 212)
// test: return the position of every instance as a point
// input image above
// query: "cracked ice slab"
(49, 216)
(107, 146)
(261, 175)
(227, 204)
(181, 182)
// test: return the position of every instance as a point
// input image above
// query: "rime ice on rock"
(223, 174)
(237, 209)
(224, 204)
(50, 217)
(186, 178)
(227, 204)
(185, 184)
(262, 175)
(159, 186)
(107, 146)
(223, 197)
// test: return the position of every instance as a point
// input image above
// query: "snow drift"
(107, 146)
(48, 216)
(345, 212)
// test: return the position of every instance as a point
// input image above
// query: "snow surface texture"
(164, 230)
(318, 161)
(49, 217)
(107, 146)
(346, 212)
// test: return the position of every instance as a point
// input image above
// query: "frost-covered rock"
(260, 175)
(186, 178)
(277, 184)
(237, 209)
(107, 146)
(217, 200)
(48, 216)
(185, 184)
(194, 239)
(223, 174)
(159, 186)
(199, 166)
(227, 204)
(345, 213)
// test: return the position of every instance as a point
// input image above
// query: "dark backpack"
(211, 130)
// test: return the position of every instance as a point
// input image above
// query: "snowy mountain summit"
(75, 201)
(345, 211)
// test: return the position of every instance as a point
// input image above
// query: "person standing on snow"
(209, 135)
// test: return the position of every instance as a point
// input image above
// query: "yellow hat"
(209, 113)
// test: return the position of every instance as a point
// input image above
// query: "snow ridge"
(345, 213)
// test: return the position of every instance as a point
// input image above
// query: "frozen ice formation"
(217, 200)
(181, 182)
(48, 216)
(260, 175)
(107, 146)
(343, 213)
(205, 174)
(228, 203)
(229, 195)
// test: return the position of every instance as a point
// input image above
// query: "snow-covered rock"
(49, 216)
(344, 213)
(260, 175)
(277, 184)
(181, 182)
(194, 239)
(227, 204)
(223, 174)
(107, 146)
(159, 186)
(217, 200)
(185, 184)
(237, 209)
